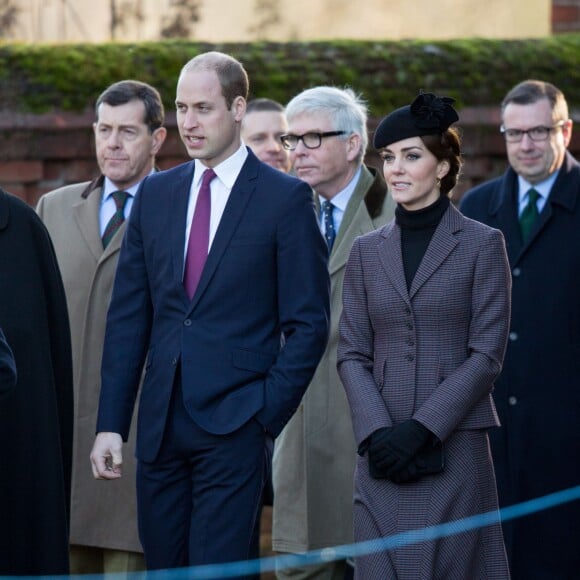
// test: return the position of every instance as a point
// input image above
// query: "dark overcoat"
(538, 393)
(430, 353)
(36, 417)
(7, 366)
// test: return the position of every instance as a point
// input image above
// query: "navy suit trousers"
(199, 501)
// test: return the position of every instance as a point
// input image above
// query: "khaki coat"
(314, 456)
(103, 513)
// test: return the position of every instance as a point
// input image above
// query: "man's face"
(125, 148)
(328, 168)
(261, 131)
(535, 160)
(209, 130)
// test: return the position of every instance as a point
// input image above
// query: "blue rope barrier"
(249, 567)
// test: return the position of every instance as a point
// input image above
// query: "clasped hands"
(393, 451)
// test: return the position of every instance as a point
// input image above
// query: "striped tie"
(120, 199)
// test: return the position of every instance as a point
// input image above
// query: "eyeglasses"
(310, 140)
(535, 133)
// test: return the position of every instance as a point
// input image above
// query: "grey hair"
(346, 109)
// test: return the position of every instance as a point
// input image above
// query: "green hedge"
(41, 78)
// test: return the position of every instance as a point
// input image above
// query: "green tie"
(530, 214)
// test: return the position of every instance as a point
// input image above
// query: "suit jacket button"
(513, 400)
(174, 361)
(513, 336)
(187, 322)
(516, 272)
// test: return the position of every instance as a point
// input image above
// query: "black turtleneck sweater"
(417, 229)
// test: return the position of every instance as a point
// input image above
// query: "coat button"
(411, 342)
(407, 310)
(174, 361)
(513, 400)
(410, 357)
(409, 326)
(513, 336)
(516, 272)
(187, 322)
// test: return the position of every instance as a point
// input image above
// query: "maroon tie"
(198, 244)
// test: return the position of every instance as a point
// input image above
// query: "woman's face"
(412, 173)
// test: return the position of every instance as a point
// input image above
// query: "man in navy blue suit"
(229, 338)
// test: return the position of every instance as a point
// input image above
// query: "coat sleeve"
(128, 329)
(304, 310)
(356, 353)
(452, 400)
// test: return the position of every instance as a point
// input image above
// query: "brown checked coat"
(103, 514)
(431, 354)
(314, 456)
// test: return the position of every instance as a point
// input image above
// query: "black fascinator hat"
(428, 114)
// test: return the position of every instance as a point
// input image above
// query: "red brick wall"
(565, 15)
(39, 153)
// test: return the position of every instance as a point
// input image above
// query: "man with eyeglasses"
(315, 454)
(536, 204)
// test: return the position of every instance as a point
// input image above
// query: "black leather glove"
(391, 450)
(408, 474)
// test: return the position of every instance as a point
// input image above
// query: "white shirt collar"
(109, 187)
(227, 171)
(543, 188)
(341, 199)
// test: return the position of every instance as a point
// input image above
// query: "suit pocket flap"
(253, 361)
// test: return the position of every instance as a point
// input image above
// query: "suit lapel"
(391, 258)
(233, 212)
(178, 200)
(356, 221)
(442, 244)
(503, 204)
(86, 214)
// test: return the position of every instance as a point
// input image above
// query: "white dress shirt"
(221, 186)
(340, 201)
(543, 188)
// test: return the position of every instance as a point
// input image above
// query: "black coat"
(7, 366)
(36, 416)
(537, 451)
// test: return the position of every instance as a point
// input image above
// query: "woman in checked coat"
(422, 338)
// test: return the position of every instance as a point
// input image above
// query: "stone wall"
(39, 153)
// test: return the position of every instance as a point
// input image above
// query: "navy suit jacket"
(266, 275)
